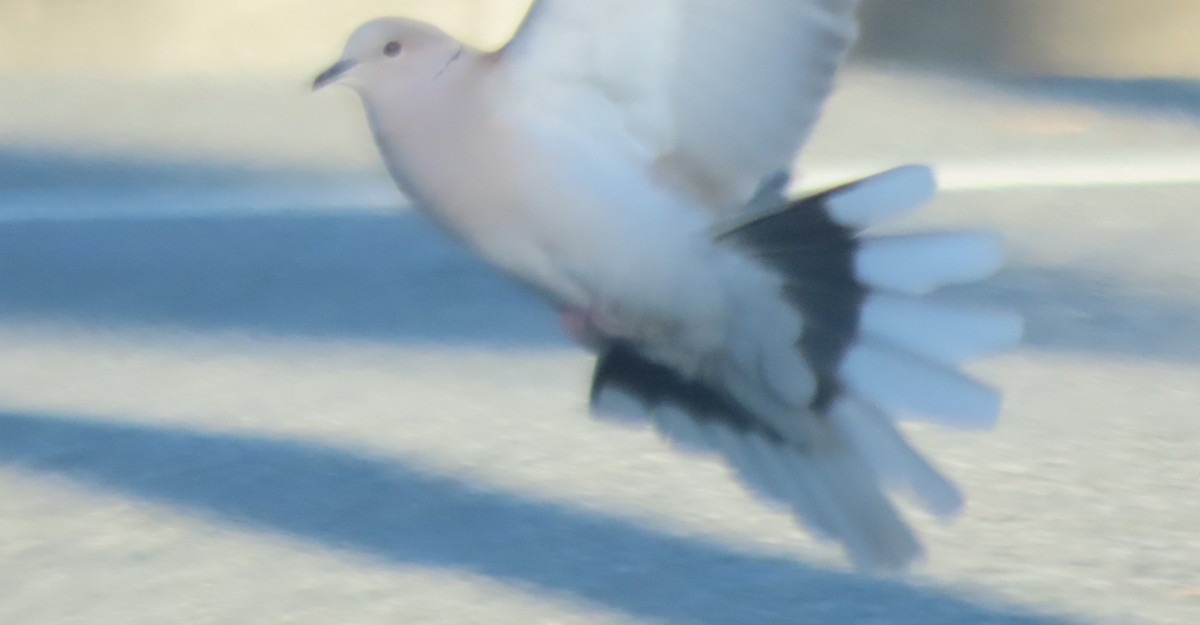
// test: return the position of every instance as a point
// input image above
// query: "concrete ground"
(235, 388)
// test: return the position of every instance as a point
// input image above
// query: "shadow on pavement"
(386, 509)
(395, 279)
(1157, 96)
(39, 169)
(357, 276)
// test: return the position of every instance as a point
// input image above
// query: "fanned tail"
(830, 487)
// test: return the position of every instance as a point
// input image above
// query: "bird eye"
(392, 48)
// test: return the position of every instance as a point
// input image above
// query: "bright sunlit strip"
(1112, 171)
(164, 202)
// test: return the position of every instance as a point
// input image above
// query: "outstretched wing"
(712, 95)
(875, 348)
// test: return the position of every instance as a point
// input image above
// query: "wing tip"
(883, 196)
(918, 264)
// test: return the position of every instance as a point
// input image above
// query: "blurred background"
(239, 382)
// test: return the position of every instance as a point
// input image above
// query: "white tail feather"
(883, 196)
(899, 380)
(877, 438)
(758, 466)
(919, 263)
(797, 493)
(874, 534)
(830, 490)
(950, 335)
(681, 430)
(614, 406)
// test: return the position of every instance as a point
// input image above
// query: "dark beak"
(332, 74)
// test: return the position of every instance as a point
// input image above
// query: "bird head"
(392, 52)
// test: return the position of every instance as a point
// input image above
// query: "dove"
(628, 161)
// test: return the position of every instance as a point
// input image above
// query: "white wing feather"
(710, 95)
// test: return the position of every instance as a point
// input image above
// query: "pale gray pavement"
(337, 417)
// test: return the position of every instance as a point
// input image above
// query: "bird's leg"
(579, 324)
(600, 324)
(595, 326)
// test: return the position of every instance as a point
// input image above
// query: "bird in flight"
(628, 161)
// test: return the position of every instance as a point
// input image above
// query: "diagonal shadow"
(394, 278)
(1179, 97)
(29, 169)
(401, 514)
(387, 277)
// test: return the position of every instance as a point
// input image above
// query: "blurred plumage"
(623, 159)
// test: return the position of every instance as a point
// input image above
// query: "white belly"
(585, 227)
